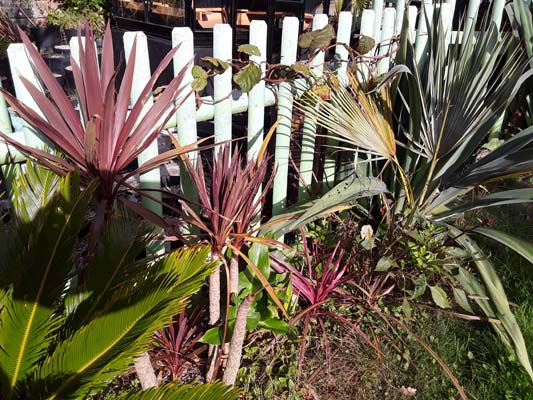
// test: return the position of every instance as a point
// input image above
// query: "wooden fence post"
(20, 65)
(222, 49)
(289, 47)
(141, 75)
(256, 97)
(307, 155)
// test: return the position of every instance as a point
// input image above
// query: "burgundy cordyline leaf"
(232, 203)
(315, 289)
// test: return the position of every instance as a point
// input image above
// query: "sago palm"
(63, 337)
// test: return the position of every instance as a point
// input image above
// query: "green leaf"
(275, 325)
(212, 336)
(525, 249)
(461, 299)
(509, 330)
(439, 296)
(385, 263)
(420, 287)
(218, 65)
(249, 49)
(341, 197)
(317, 39)
(87, 358)
(176, 391)
(200, 78)
(366, 44)
(248, 77)
(40, 263)
(302, 69)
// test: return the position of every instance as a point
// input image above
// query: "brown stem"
(237, 341)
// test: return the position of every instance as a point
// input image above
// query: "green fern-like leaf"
(211, 391)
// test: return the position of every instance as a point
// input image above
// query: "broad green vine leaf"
(302, 69)
(249, 49)
(200, 78)
(248, 77)
(366, 44)
(439, 296)
(323, 91)
(218, 65)
(317, 39)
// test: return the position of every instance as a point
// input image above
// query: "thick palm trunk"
(214, 317)
(145, 371)
(237, 341)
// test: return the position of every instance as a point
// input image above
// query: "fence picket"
(20, 66)
(400, 9)
(222, 49)
(344, 35)
(378, 6)
(422, 33)
(367, 29)
(389, 17)
(289, 47)
(471, 16)
(256, 97)
(186, 113)
(309, 126)
(413, 13)
(150, 180)
(5, 121)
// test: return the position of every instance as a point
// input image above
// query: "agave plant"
(422, 126)
(60, 339)
(104, 136)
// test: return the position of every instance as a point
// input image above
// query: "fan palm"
(65, 340)
(442, 111)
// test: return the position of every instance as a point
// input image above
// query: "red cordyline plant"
(230, 204)
(319, 284)
(178, 344)
(105, 135)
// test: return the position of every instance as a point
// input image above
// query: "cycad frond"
(32, 190)
(210, 391)
(39, 262)
(107, 344)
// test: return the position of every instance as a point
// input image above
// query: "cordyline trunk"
(214, 316)
(237, 341)
(234, 273)
(145, 371)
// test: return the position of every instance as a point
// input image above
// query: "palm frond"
(40, 261)
(107, 344)
(358, 119)
(210, 391)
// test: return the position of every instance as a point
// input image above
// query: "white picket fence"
(381, 23)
